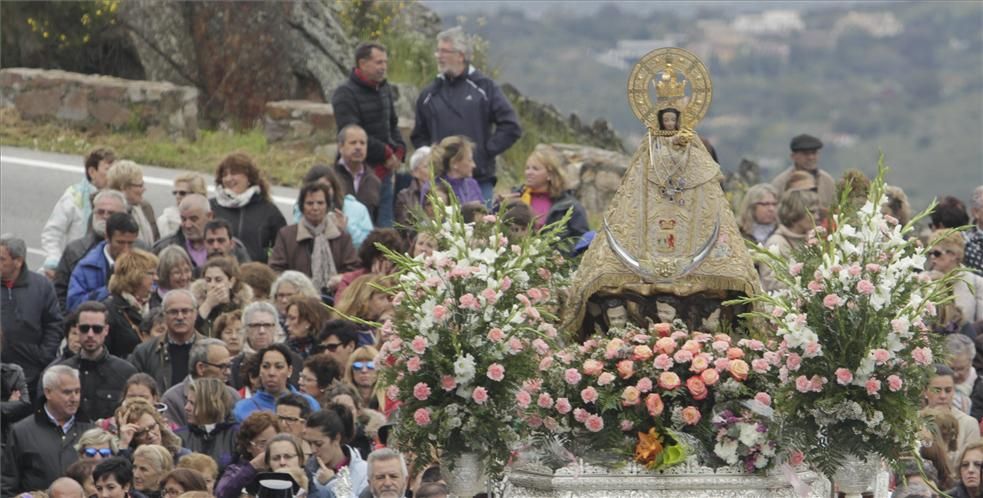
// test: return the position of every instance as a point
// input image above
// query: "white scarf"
(228, 199)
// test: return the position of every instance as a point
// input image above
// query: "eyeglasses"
(259, 445)
(86, 328)
(257, 326)
(179, 193)
(220, 366)
(368, 365)
(765, 203)
(327, 347)
(290, 420)
(103, 452)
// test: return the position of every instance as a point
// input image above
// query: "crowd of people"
(192, 353)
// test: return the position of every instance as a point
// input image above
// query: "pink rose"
(540, 346)
(626, 368)
(814, 287)
(588, 394)
(440, 312)
(763, 398)
(496, 335)
(662, 329)
(709, 376)
(653, 402)
(545, 401)
(644, 384)
(663, 362)
(721, 364)
(605, 379)
(881, 356)
(641, 353)
(630, 396)
(739, 369)
(796, 458)
(523, 399)
(422, 417)
(545, 363)
(678, 335)
(773, 358)
(812, 349)
(854, 270)
(448, 383)
(592, 368)
(594, 423)
(894, 383)
(421, 391)
(419, 344)
(865, 287)
(479, 395)
(793, 362)
(515, 345)
(720, 346)
(683, 356)
(795, 269)
(832, 301)
(802, 384)
(413, 364)
(580, 415)
(563, 406)
(572, 376)
(873, 267)
(922, 356)
(700, 363)
(535, 294)
(697, 388)
(496, 372)
(668, 381)
(760, 365)
(873, 386)
(843, 376)
(691, 415)
(735, 353)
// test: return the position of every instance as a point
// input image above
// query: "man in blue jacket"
(90, 277)
(462, 101)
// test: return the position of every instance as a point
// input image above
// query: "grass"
(284, 165)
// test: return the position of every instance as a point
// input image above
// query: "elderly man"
(220, 242)
(805, 157)
(387, 474)
(70, 216)
(43, 446)
(65, 487)
(366, 99)
(90, 277)
(353, 171)
(462, 101)
(974, 236)
(167, 358)
(103, 376)
(209, 358)
(196, 212)
(29, 314)
(261, 322)
(105, 204)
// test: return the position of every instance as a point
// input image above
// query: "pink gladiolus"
(479, 395)
(763, 398)
(535, 295)
(496, 335)
(421, 391)
(873, 267)
(865, 287)
(653, 402)
(605, 379)
(710, 376)
(572, 376)
(545, 400)
(523, 399)
(592, 367)
(580, 415)
(419, 344)
(922, 356)
(422, 417)
(544, 273)
(873, 386)
(468, 301)
(563, 406)
(588, 394)
(691, 415)
(832, 301)
(812, 349)
(448, 383)
(594, 423)
(854, 270)
(843, 376)
(496, 372)
(668, 380)
(899, 326)
(524, 300)
(644, 384)
(413, 364)
(894, 383)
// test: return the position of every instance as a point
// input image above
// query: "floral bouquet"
(659, 395)
(857, 352)
(470, 327)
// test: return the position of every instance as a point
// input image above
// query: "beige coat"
(786, 241)
(969, 297)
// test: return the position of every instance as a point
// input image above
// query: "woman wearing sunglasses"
(96, 444)
(361, 373)
(947, 256)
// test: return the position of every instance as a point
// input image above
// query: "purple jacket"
(466, 189)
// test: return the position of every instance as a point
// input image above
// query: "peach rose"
(697, 388)
(668, 380)
(691, 415)
(739, 369)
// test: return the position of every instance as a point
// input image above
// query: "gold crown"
(668, 87)
(667, 224)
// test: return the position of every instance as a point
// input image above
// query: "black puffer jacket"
(255, 224)
(38, 453)
(102, 382)
(31, 322)
(372, 107)
(12, 379)
(124, 325)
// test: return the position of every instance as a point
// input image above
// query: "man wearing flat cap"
(805, 157)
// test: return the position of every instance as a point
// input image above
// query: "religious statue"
(669, 246)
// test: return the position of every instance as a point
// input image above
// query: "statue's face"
(617, 317)
(667, 313)
(670, 121)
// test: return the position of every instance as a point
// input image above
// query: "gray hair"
(343, 133)
(173, 292)
(168, 259)
(15, 246)
(97, 436)
(297, 279)
(387, 454)
(752, 197)
(199, 353)
(192, 201)
(418, 157)
(459, 40)
(52, 376)
(960, 345)
(115, 194)
(259, 307)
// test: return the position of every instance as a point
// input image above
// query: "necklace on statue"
(673, 184)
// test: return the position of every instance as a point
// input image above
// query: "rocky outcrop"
(101, 102)
(546, 117)
(593, 173)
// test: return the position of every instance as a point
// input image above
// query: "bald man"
(196, 212)
(63, 487)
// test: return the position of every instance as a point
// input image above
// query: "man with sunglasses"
(209, 358)
(805, 157)
(103, 376)
(338, 339)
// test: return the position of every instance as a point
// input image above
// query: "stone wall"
(307, 124)
(101, 102)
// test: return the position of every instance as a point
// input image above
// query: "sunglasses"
(103, 452)
(368, 365)
(937, 253)
(179, 192)
(85, 328)
(327, 347)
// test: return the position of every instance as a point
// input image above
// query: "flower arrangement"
(857, 352)
(472, 321)
(653, 395)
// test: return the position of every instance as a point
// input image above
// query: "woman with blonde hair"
(242, 197)
(366, 299)
(204, 464)
(946, 256)
(211, 428)
(150, 463)
(96, 444)
(361, 372)
(127, 177)
(545, 192)
(130, 289)
(141, 424)
(758, 213)
(798, 211)
(219, 290)
(452, 161)
(169, 221)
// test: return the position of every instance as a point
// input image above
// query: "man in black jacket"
(462, 101)
(105, 204)
(43, 446)
(29, 312)
(366, 99)
(102, 375)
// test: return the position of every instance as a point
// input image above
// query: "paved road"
(31, 182)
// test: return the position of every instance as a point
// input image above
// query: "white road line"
(153, 180)
(39, 252)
